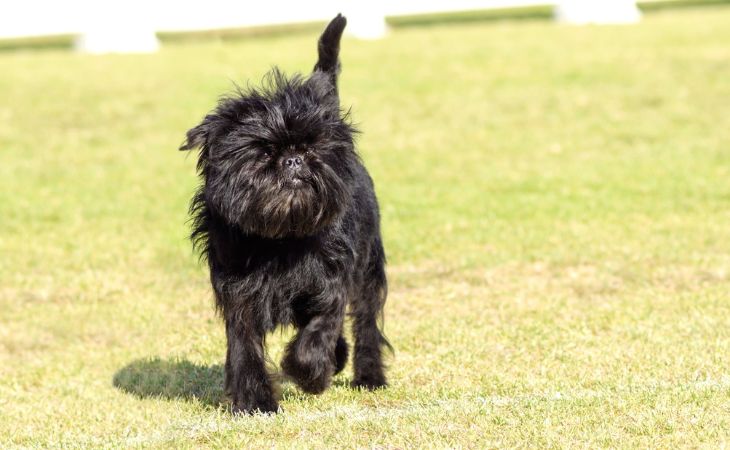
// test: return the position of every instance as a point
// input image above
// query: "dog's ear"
(329, 49)
(197, 137)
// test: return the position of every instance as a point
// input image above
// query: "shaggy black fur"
(288, 221)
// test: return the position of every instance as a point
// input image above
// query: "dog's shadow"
(173, 380)
(183, 380)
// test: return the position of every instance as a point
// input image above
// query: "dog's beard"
(280, 206)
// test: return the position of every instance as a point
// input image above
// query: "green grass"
(555, 207)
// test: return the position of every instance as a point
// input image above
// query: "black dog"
(288, 221)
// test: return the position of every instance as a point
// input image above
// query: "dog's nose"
(294, 162)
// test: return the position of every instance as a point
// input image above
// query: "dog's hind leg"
(341, 353)
(369, 341)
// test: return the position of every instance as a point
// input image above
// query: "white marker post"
(117, 27)
(365, 20)
(599, 12)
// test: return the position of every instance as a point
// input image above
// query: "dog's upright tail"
(329, 49)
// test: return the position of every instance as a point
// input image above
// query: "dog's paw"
(249, 408)
(312, 376)
(369, 382)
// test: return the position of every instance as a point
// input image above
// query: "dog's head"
(278, 161)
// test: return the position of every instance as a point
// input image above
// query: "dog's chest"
(272, 276)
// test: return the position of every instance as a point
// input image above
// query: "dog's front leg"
(311, 358)
(247, 382)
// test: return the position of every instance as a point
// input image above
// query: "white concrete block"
(602, 12)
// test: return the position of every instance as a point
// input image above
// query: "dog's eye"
(268, 152)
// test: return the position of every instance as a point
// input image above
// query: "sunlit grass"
(555, 207)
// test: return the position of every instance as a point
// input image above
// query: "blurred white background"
(116, 25)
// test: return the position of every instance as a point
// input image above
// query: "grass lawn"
(556, 210)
